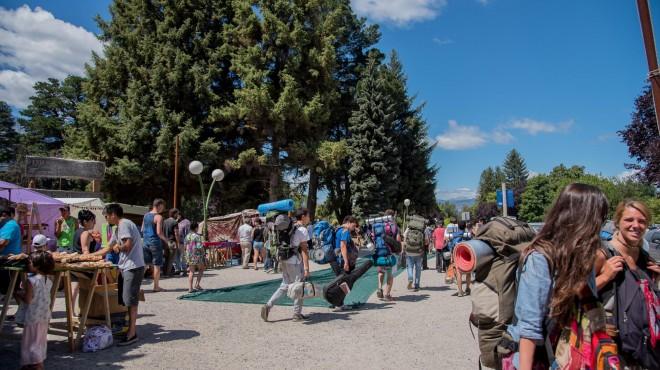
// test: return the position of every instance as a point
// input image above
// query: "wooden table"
(65, 273)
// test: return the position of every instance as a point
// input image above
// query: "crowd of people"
(567, 262)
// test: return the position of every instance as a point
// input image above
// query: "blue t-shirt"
(11, 232)
(345, 235)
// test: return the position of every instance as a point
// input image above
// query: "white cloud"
(627, 174)
(35, 46)
(532, 174)
(606, 137)
(502, 137)
(534, 127)
(399, 12)
(483, 2)
(442, 41)
(460, 193)
(459, 137)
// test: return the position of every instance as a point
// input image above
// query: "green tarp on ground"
(259, 293)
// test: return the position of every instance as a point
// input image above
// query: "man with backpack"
(384, 232)
(414, 240)
(345, 249)
(293, 253)
(456, 238)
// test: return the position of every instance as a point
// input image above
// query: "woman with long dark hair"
(556, 268)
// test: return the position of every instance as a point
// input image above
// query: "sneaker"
(416, 289)
(379, 293)
(467, 291)
(300, 317)
(128, 341)
(265, 310)
(410, 285)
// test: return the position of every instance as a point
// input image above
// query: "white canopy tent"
(92, 204)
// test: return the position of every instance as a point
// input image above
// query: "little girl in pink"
(35, 306)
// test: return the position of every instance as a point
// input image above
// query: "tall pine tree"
(373, 149)
(416, 176)
(165, 72)
(515, 170)
(8, 135)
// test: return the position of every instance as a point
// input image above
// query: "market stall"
(89, 267)
(223, 242)
(36, 212)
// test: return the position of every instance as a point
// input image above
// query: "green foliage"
(536, 198)
(448, 209)
(8, 135)
(416, 174)
(542, 190)
(515, 170)
(52, 111)
(165, 72)
(374, 153)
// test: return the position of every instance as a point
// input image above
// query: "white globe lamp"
(195, 167)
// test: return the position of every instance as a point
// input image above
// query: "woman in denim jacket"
(557, 266)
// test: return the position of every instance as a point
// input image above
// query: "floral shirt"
(194, 249)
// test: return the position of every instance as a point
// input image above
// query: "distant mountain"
(459, 203)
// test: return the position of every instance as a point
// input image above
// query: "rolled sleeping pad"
(472, 254)
(285, 205)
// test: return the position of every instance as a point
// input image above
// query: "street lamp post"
(196, 168)
(405, 214)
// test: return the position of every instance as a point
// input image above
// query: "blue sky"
(553, 79)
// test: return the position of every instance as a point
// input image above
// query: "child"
(194, 256)
(35, 307)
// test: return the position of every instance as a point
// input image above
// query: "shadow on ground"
(59, 356)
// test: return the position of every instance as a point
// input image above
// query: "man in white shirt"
(245, 237)
(294, 268)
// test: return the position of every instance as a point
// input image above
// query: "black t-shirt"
(258, 234)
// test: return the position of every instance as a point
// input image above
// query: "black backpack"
(630, 312)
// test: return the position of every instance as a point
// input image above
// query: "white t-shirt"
(245, 233)
(301, 235)
(134, 258)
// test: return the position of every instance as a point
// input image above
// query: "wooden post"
(651, 56)
(176, 170)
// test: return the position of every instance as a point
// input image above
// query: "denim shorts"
(258, 246)
(153, 254)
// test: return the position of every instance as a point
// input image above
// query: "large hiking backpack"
(283, 228)
(323, 243)
(415, 234)
(494, 290)
(634, 306)
(382, 255)
(455, 236)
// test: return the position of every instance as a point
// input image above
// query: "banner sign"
(64, 168)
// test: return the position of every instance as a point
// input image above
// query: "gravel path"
(421, 330)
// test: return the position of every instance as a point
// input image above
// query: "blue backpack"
(382, 253)
(456, 236)
(323, 243)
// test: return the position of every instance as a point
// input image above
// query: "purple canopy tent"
(49, 208)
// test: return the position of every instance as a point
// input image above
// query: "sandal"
(199, 287)
(388, 298)
(379, 293)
